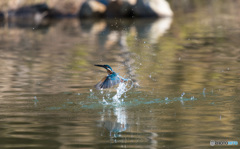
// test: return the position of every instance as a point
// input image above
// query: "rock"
(105, 2)
(68, 8)
(152, 8)
(34, 12)
(92, 8)
(32, 8)
(120, 8)
(27, 16)
(39, 11)
(1, 16)
(54, 13)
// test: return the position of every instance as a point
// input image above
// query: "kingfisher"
(110, 80)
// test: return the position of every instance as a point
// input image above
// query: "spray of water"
(121, 89)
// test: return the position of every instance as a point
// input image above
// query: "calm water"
(185, 73)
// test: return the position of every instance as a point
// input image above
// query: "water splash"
(204, 95)
(122, 88)
(150, 76)
(182, 95)
(120, 98)
(182, 98)
(166, 99)
(35, 100)
(104, 101)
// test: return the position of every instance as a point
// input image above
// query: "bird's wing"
(108, 82)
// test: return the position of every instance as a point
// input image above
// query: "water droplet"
(182, 94)
(204, 95)
(35, 100)
(104, 101)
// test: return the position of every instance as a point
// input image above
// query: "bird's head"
(107, 67)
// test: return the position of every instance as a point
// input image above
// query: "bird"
(110, 80)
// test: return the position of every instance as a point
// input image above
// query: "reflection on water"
(114, 127)
(185, 74)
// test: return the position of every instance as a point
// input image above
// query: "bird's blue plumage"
(112, 79)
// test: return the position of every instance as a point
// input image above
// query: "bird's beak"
(100, 66)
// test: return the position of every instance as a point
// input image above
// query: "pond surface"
(184, 71)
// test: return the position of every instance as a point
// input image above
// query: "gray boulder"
(33, 14)
(152, 8)
(68, 8)
(92, 8)
(120, 8)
